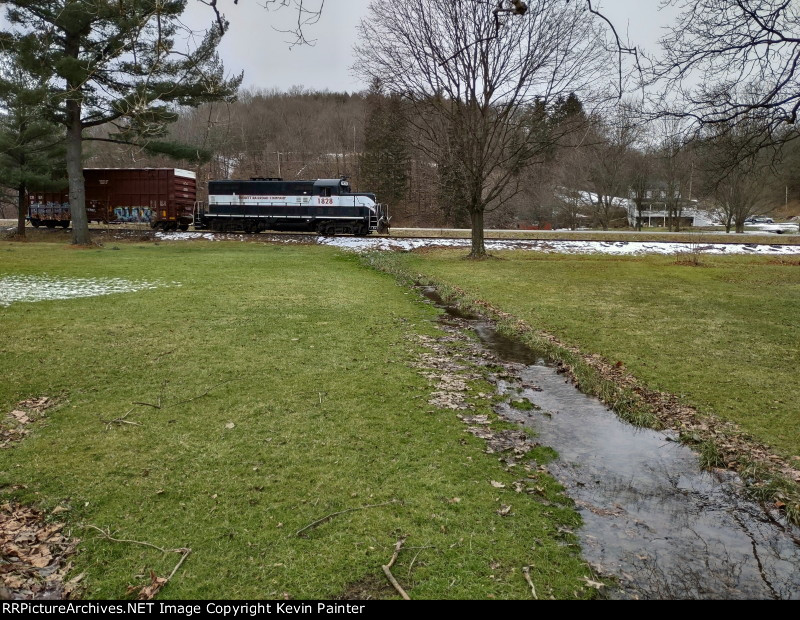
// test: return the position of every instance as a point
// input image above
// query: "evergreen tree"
(117, 62)
(31, 147)
(384, 161)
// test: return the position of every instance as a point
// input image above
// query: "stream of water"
(663, 527)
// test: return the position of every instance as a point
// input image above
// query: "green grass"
(299, 402)
(724, 336)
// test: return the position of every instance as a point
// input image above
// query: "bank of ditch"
(772, 476)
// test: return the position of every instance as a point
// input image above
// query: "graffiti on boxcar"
(133, 214)
(50, 210)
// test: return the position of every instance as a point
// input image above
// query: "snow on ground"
(216, 236)
(44, 287)
(186, 236)
(787, 227)
(364, 244)
(360, 244)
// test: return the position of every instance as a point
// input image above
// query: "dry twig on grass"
(526, 571)
(341, 512)
(120, 420)
(157, 583)
(387, 570)
(158, 405)
(188, 400)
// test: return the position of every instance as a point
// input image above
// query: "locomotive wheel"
(327, 229)
(65, 224)
(184, 227)
(50, 224)
(36, 223)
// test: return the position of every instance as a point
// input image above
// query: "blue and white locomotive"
(326, 206)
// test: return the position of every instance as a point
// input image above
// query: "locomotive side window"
(223, 188)
(298, 189)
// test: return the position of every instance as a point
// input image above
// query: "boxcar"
(162, 197)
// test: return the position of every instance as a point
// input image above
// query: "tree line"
(478, 114)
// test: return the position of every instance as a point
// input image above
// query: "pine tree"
(384, 161)
(31, 147)
(117, 62)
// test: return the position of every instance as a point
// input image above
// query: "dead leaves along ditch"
(34, 548)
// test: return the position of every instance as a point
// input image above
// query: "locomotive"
(325, 206)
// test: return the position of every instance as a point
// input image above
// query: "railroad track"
(310, 236)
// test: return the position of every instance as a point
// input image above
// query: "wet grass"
(279, 392)
(523, 405)
(724, 337)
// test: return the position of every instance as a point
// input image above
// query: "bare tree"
(673, 169)
(608, 174)
(471, 80)
(640, 182)
(731, 61)
(740, 189)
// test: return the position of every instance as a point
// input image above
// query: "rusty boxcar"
(162, 197)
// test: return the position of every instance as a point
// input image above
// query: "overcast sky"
(269, 61)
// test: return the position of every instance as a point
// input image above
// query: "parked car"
(759, 219)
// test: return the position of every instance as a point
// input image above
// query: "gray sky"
(269, 61)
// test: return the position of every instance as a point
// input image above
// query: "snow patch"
(366, 244)
(631, 248)
(185, 236)
(44, 288)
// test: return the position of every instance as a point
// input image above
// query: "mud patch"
(35, 554)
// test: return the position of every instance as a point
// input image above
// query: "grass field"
(725, 335)
(279, 391)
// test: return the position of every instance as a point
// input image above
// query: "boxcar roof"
(179, 172)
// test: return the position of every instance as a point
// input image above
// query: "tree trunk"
(22, 209)
(476, 220)
(77, 190)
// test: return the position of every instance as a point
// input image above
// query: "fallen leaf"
(592, 584)
(20, 416)
(230, 425)
(147, 592)
(497, 485)
(504, 511)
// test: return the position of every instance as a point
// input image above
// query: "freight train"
(165, 198)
